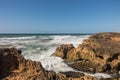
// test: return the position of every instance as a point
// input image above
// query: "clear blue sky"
(59, 16)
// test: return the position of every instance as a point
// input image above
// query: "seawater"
(40, 47)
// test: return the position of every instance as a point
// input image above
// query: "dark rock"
(85, 66)
(13, 66)
(73, 74)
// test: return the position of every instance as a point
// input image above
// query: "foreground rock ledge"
(99, 53)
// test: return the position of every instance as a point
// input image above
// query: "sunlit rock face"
(100, 52)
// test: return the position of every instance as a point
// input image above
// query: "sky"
(59, 16)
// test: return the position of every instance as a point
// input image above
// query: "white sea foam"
(40, 48)
(56, 64)
(16, 38)
(75, 40)
(99, 75)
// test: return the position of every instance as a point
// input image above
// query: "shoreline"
(89, 53)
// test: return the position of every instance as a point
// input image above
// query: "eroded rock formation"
(62, 50)
(13, 66)
(99, 53)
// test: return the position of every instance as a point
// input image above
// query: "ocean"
(40, 47)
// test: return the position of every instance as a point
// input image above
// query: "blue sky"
(59, 16)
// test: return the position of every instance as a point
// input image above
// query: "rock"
(102, 50)
(13, 66)
(62, 50)
(73, 74)
(85, 66)
(8, 61)
(84, 78)
(118, 78)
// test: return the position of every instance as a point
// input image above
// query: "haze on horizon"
(59, 16)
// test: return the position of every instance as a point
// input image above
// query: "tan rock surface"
(102, 50)
(62, 50)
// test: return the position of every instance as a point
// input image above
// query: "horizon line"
(47, 33)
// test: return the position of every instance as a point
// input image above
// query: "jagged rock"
(85, 66)
(9, 61)
(118, 78)
(62, 50)
(13, 66)
(84, 78)
(73, 74)
(102, 50)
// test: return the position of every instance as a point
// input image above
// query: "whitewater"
(41, 47)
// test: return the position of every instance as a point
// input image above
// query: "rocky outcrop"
(13, 66)
(99, 53)
(62, 50)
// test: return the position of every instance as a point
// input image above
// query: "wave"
(75, 40)
(16, 38)
(60, 37)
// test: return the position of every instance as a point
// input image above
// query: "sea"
(40, 47)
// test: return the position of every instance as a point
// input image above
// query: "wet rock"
(85, 66)
(73, 74)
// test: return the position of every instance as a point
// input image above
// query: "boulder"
(62, 50)
(13, 66)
